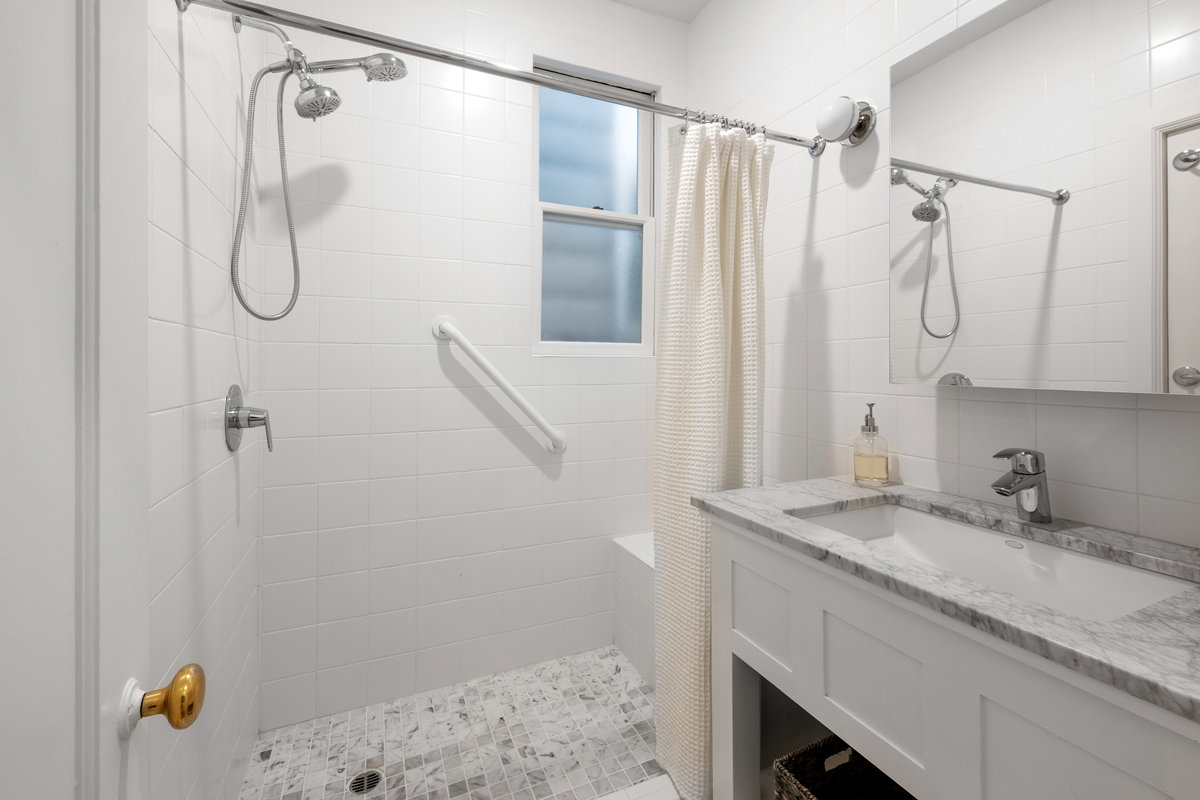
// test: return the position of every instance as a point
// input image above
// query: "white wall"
(205, 504)
(1119, 460)
(415, 531)
(37, 404)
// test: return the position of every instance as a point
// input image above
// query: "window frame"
(643, 219)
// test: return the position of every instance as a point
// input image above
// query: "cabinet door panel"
(1023, 760)
(761, 613)
(876, 684)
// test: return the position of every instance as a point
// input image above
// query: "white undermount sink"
(1080, 585)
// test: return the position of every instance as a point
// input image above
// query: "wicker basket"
(804, 775)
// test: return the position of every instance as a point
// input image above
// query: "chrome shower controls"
(239, 417)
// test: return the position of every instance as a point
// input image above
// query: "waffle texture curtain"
(708, 415)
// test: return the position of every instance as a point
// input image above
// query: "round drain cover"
(364, 782)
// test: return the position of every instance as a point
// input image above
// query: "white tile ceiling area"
(682, 10)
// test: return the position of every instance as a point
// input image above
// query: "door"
(1183, 264)
(114, 342)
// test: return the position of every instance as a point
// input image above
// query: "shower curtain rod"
(279, 16)
(1057, 196)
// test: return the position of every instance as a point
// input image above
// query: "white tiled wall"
(1120, 460)
(205, 502)
(415, 531)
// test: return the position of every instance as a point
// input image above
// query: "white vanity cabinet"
(950, 712)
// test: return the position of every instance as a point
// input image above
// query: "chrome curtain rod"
(280, 16)
(1056, 196)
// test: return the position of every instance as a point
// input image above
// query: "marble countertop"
(1152, 654)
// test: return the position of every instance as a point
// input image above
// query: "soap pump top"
(869, 425)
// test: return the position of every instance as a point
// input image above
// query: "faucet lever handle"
(257, 418)
(1025, 460)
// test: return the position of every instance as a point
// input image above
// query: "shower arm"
(250, 22)
(296, 61)
(271, 15)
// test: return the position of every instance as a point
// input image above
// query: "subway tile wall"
(205, 502)
(1121, 460)
(415, 531)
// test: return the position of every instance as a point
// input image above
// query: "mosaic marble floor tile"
(577, 728)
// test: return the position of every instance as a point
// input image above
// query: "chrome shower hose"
(929, 268)
(239, 229)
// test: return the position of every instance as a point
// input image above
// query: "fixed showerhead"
(384, 67)
(927, 211)
(316, 100)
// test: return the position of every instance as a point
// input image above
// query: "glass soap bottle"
(870, 453)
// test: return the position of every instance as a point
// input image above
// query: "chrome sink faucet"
(1026, 480)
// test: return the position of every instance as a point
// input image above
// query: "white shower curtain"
(708, 415)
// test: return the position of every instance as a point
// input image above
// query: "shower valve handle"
(248, 417)
(239, 417)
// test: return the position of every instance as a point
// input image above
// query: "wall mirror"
(1010, 286)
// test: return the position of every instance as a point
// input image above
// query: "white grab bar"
(445, 329)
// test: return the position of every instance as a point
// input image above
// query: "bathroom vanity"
(1001, 661)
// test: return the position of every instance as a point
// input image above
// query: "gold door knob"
(181, 700)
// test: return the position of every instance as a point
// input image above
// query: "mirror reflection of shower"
(930, 210)
(313, 101)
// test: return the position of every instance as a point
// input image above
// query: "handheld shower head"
(377, 67)
(384, 67)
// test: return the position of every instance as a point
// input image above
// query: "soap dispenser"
(870, 453)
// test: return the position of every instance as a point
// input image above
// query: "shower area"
(425, 593)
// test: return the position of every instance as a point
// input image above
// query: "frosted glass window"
(587, 152)
(591, 281)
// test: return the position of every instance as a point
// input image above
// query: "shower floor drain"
(364, 782)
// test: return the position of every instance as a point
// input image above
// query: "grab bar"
(445, 329)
